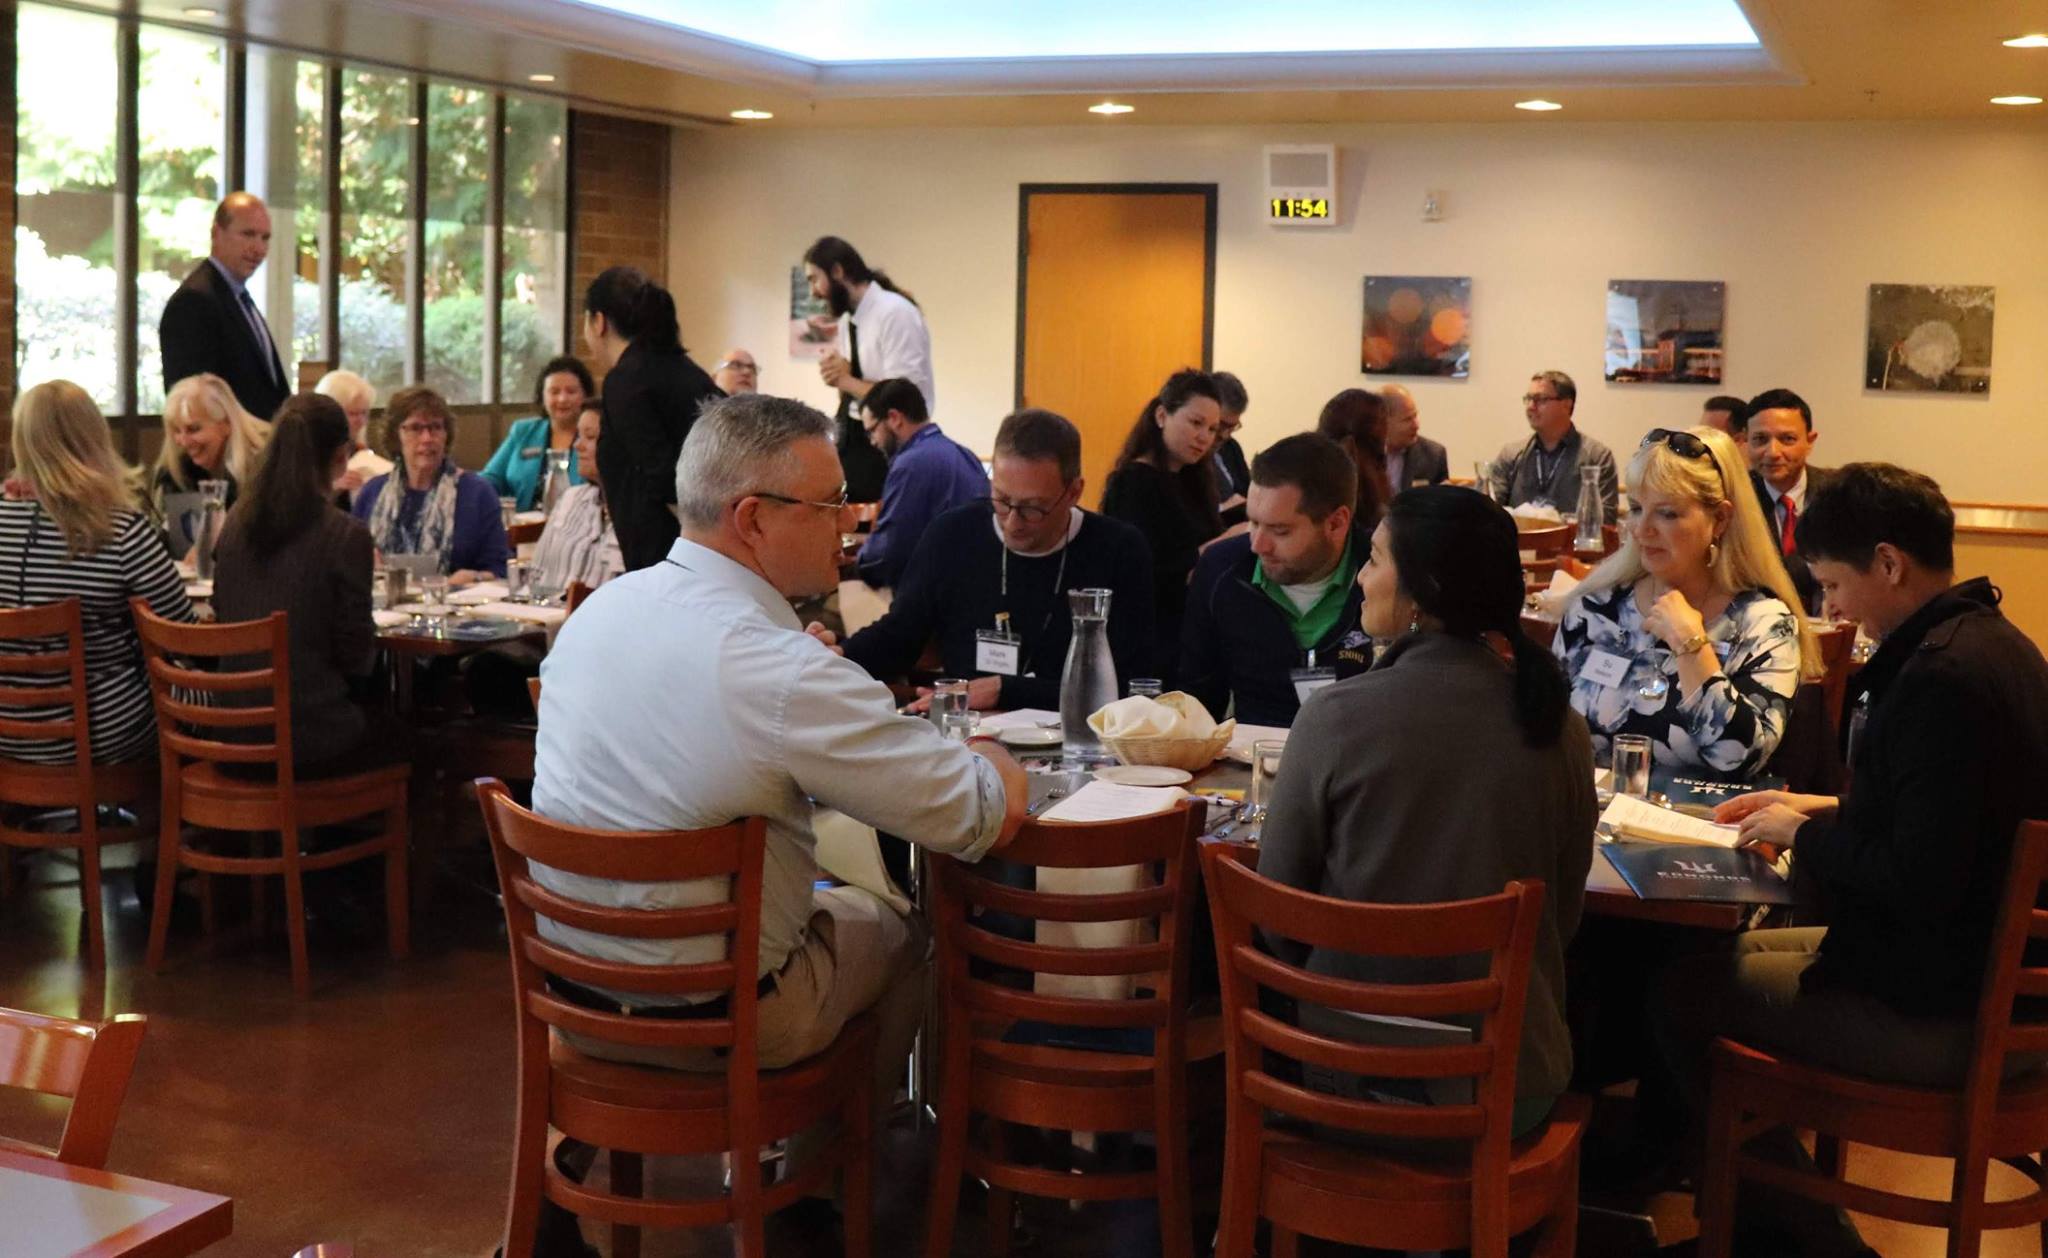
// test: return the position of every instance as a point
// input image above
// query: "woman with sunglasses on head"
(1689, 634)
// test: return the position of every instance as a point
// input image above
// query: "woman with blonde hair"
(1690, 633)
(70, 529)
(357, 397)
(207, 436)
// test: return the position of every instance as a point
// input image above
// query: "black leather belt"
(592, 999)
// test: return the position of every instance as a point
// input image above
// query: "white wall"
(1798, 219)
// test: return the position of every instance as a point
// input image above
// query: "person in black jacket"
(1233, 473)
(1268, 610)
(212, 324)
(969, 584)
(1777, 434)
(1948, 750)
(652, 393)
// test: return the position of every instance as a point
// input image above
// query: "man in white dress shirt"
(686, 695)
(882, 336)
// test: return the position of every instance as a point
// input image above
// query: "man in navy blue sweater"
(929, 475)
(988, 581)
(1269, 611)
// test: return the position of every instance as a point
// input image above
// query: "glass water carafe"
(1089, 681)
(557, 480)
(213, 512)
(1592, 515)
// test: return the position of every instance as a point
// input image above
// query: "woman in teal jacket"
(519, 469)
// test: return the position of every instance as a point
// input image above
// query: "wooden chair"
(1545, 548)
(55, 678)
(1067, 1088)
(636, 1110)
(1836, 643)
(1476, 1200)
(194, 707)
(88, 1062)
(523, 531)
(578, 591)
(1987, 1118)
(1539, 629)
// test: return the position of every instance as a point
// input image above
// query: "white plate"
(1028, 736)
(1143, 775)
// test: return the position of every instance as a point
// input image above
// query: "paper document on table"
(533, 613)
(1020, 718)
(1241, 740)
(481, 592)
(849, 851)
(1632, 818)
(1109, 801)
(387, 619)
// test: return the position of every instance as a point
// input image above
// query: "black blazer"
(1426, 464)
(204, 329)
(1802, 576)
(650, 401)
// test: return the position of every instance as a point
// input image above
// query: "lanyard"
(1058, 580)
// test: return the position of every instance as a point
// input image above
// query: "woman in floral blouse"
(1689, 634)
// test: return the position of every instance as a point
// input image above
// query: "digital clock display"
(1299, 207)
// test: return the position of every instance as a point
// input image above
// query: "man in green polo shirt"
(1267, 611)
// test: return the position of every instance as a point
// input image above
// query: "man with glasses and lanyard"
(989, 580)
(1547, 468)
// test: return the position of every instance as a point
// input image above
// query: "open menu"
(1630, 818)
(1112, 801)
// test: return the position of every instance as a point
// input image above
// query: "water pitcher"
(1591, 515)
(213, 497)
(557, 480)
(1089, 681)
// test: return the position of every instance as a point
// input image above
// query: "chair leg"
(1966, 1204)
(397, 905)
(1559, 1237)
(856, 1173)
(1286, 1244)
(168, 849)
(1718, 1183)
(1237, 1229)
(626, 1182)
(950, 1164)
(95, 915)
(749, 1218)
(1002, 1220)
(529, 1175)
(1176, 1223)
(295, 912)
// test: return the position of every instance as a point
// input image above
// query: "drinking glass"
(949, 704)
(1632, 765)
(515, 580)
(1151, 687)
(1265, 768)
(434, 592)
(1482, 477)
(507, 508)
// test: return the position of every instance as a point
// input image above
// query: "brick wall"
(7, 120)
(619, 198)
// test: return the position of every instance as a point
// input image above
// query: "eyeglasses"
(736, 365)
(1023, 510)
(420, 430)
(1683, 444)
(1531, 399)
(836, 504)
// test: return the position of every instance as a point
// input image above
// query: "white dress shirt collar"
(1797, 493)
(709, 565)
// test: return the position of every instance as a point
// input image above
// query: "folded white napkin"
(529, 612)
(1171, 715)
(481, 592)
(390, 619)
(529, 517)
(1536, 513)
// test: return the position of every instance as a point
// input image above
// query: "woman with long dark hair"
(1164, 484)
(287, 548)
(1451, 768)
(652, 393)
(1357, 420)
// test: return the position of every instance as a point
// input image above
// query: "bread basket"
(1174, 752)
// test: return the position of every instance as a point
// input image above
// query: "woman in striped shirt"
(69, 528)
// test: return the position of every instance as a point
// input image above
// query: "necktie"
(1791, 521)
(262, 333)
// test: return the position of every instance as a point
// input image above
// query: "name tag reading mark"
(1605, 668)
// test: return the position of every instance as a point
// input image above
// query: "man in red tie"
(1779, 436)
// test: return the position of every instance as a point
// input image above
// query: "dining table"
(49, 1209)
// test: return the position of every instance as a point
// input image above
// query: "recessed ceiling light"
(196, 12)
(1110, 107)
(2027, 41)
(752, 115)
(540, 78)
(2015, 100)
(1538, 106)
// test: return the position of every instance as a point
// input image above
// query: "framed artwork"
(1664, 331)
(1417, 325)
(1929, 338)
(812, 329)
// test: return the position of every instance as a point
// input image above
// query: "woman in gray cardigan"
(1451, 768)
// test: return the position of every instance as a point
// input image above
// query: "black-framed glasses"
(1531, 399)
(1028, 512)
(421, 430)
(836, 504)
(1683, 444)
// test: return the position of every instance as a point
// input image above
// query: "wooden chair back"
(1836, 643)
(87, 1062)
(42, 666)
(979, 968)
(1547, 541)
(521, 839)
(578, 591)
(1502, 928)
(203, 685)
(2018, 969)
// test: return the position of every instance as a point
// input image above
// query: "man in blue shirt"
(929, 474)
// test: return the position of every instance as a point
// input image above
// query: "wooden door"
(1115, 291)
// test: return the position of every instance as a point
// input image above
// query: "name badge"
(1605, 668)
(533, 452)
(1309, 680)
(997, 653)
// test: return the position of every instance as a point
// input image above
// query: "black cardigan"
(1156, 502)
(650, 401)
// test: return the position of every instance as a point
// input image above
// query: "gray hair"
(737, 446)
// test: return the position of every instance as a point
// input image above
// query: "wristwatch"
(1692, 644)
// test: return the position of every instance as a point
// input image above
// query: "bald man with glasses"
(989, 580)
(737, 373)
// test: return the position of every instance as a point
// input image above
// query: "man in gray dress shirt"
(686, 695)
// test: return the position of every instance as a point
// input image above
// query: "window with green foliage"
(68, 263)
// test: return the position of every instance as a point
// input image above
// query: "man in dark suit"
(1412, 459)
(212, 322)
(1778, 436)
